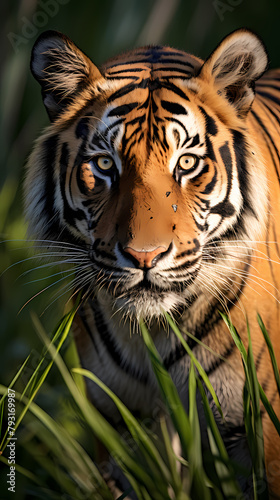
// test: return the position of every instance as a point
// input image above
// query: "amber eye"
(104, 162)
(187, 162)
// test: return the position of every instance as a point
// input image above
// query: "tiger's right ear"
(62, 70)
(233, 68)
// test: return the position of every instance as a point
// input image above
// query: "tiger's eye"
(104, 162)
(187, 162)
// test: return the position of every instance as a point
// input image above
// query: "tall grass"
(149, 463)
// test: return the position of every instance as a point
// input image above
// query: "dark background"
(101, 28)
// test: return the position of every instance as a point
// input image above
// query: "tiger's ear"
(62, 70)
(234, 66)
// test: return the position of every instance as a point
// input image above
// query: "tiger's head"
(147, 175)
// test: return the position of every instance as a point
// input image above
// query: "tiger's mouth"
(151, 296)
(147, 290)
(152, 283)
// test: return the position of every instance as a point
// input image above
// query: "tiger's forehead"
(157, 116)
(147, 103)
(152, 62)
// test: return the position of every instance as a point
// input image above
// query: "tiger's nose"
(145, 259)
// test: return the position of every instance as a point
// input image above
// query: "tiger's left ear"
(62, 70)
(234, 66)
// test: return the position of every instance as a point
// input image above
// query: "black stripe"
(123, 91)
(176, 68)
(126, 72)
(159, 60)
(98, 142)
(212, 318)
(260, 355)
(266, 105)
(151, 85)
(260, 122)
(122, 63)
(240, 150)
(164, 142)
(137, 119)
(82, 315)
(104, 255)
(195, 141)
(123, 110)
(217, 362)
(176, 90)
(132, 70)
(267, 84)
(174, 108)
(82, 129)
(210, 151)
(111, 127)
(191, 251)
(124, 77)
(125, 143)
(225, 208)
(210, 124)
(200, 227)
(168, 60)
(271, 97)
(68, 213)
(271, 267)
(186, 265)
(211, 185)
(233, 432)
(52, 226)
(112, 348)
(174, 120)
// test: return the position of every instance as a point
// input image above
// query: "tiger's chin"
(147, 300)
(149, 305)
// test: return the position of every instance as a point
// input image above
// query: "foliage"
(148, 461)
(102, 29)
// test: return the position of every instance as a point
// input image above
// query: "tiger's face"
(150, 175)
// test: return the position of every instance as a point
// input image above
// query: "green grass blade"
(271, 352)
(240, 346)
(198, 366)
(2, 401)
(16, 377)
(235, 336)
(102, 429)
(160, 471)
(172, 461)
(257, 443)
(272, 415)
(23, 471)
(251, 404)
(194, 422)
(70, 448)
(125, 494)
(199, 487)
(57, 473)
(67, 322)
(169, 392)
(223, 467)
(205, 346)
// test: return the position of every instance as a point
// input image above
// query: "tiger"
(158, 178)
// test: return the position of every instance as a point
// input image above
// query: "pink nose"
(145, 259)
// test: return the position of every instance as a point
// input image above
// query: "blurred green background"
(101, 29)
